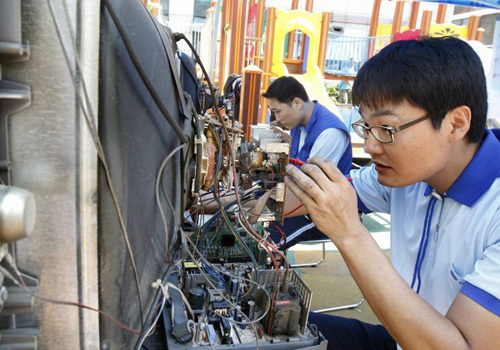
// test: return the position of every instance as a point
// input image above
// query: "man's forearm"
(410, 320)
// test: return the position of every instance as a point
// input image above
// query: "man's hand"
(414, 324)
(277, 128)
(327, 195)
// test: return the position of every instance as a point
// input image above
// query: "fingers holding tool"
(326, 193)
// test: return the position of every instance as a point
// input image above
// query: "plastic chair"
(317, 263)
(341, 307)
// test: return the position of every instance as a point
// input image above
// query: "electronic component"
(226, 325)
(226, 157)
(238, 284)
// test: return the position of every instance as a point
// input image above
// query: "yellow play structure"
(312, 79)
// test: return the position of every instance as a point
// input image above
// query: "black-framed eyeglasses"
(383, 133)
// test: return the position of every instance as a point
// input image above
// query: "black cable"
(142, 73)
(90, 120)
(179, 36)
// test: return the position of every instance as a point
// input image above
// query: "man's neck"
(308, 112)
(461, 158)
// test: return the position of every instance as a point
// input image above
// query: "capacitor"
(238, 316)
(235, 284)
(251, 309)
(196, 298)
(263, 256)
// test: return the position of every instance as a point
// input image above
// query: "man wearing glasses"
(436, 170)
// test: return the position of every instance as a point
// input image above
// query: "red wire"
(282, 234)
(83, 306)
(294, 210)
(268, 246)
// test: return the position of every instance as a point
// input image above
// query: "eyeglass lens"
(381, 134)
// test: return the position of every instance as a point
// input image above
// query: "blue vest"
(321, 119)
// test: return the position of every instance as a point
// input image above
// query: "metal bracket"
(13, 98)
(12, 47)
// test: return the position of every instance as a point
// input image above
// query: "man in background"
(315, 132)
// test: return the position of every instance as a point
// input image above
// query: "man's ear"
(297, 103)
(458, 120)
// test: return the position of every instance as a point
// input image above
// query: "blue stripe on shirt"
(481, 297)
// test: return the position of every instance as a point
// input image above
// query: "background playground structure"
(308, 45)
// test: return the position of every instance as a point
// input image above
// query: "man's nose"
(372, 145)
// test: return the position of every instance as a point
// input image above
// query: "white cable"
(157, 193)
(153, 324)
(250, 322)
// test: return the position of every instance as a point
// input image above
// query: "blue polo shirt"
(322, 120)
(445, 244)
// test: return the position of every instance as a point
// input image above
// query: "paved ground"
(331, 281)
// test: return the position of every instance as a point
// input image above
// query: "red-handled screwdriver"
(297, 161)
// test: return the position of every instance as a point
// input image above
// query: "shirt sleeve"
(372, 196)
(483, 284)
(330, 144)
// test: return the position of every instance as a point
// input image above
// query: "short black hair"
(434, 74)
(285, 89)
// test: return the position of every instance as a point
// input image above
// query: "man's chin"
(390, 181)
(382, 181)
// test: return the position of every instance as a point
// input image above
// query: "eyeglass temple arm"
(407, 125)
